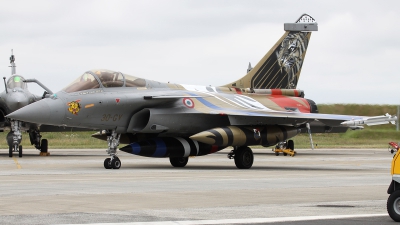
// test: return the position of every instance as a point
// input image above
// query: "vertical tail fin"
(280, 68)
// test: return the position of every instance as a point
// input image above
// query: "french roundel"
(188, 102)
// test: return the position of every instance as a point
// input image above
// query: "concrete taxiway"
(72, 187)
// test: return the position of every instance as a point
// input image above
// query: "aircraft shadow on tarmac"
(298, 155)
(232, 167)
(35, 155)
(157, 165)
(301, 154)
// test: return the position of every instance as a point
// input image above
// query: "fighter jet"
(176, 121)
(15, 96)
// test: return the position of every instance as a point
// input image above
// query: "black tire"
(393, 206)
(116, 163)
(290, 144)
(10, 151)
(179, 161)
(107, 163)
(44, 146)
(244, 158)
(20, 151)
(277, 153)
(285, 154)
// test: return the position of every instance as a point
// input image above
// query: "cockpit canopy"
(16, 81)
(95, 79)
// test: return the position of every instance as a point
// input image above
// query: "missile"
(246, 136)
(371, 121)
(170, 147)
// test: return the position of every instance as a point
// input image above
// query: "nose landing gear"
(114, 163)
(113, 141)
(14, 138)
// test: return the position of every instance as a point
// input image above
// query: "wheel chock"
(277, 151)
(44, 153)
(285, 151)
(289, 152)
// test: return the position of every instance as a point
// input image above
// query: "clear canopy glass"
(103, 79)
(16, 81)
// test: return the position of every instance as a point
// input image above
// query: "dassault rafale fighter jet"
(176, 121)
(15, 96)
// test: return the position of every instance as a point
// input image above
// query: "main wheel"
(10, 151)
(179, 161)
(393, 205)
(290, 144)
(244, 158)
(107, 163)
(44, 146)
(20, 151)
(116, 163)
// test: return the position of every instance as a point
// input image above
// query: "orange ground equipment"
(285, 147)
(393, 147)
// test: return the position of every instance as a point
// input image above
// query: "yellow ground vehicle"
(393, 202)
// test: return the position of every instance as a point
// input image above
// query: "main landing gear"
(41, 144)
(113, 141)
(243, 156)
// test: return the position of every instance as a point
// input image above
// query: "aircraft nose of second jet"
(40, 112)
(16, 101)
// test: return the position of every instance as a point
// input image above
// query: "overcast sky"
(353, 58)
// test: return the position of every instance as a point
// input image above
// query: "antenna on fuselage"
(12, 62)
(249, 68)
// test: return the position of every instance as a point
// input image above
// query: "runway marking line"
(247, 220)
(17, 163)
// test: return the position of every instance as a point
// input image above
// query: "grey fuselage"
(107, 100)
(123, 109)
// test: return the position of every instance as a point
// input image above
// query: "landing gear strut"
(243, 156)
(113, 141)
(14, 138)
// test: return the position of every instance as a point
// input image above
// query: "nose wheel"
(114, 163)
(20, 151)
(17, 148)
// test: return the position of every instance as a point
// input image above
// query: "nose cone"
(45, 111)
(16, 101)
